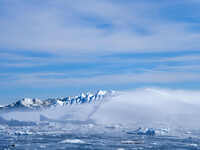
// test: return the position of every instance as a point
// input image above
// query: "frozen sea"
(95, 137)
(138, 120)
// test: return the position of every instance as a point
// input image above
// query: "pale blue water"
(86, 137)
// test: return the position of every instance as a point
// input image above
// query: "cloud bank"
(146, 107)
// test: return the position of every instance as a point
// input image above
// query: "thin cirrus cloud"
(55, 80)
(93, 26)
(10, 60)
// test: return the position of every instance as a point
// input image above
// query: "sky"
(54, 48)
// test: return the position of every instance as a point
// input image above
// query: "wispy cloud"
(55, 80)
(65, 27)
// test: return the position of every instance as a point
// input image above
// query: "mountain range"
(30, 104)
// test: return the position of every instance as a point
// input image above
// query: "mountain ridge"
(37, 104)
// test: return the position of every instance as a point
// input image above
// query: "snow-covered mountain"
(37, 104)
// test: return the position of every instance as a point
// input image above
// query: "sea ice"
(73, 141)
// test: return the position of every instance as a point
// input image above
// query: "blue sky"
(59, 48)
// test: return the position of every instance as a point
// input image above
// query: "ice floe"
(72, 141)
